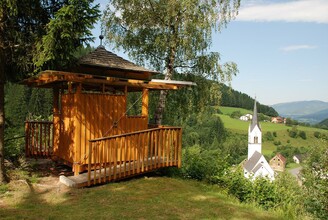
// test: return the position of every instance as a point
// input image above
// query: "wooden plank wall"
(86, 116)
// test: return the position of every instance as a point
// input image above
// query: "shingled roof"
(253, 161)
(104, 59)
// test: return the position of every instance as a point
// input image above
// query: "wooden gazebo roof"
(105, 63)
(102, 68)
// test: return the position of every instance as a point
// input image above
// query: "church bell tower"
(254, 135)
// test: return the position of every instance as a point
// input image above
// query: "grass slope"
(241, 127)
(141, 198)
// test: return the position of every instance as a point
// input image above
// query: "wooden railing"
(120, 156)
(38, 138)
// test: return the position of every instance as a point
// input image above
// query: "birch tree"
(171, 36)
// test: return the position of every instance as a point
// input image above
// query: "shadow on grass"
(150, 196)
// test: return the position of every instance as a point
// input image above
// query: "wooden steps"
(121, 171)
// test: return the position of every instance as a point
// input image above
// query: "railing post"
(89, 163)
(179, 148)
(26, 139)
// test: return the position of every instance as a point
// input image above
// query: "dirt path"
(38, 178)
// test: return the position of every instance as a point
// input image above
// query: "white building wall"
(253, 136)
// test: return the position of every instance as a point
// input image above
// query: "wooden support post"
(27, 139)
(56, 121)
(145, 98)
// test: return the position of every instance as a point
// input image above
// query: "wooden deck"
(115, 173)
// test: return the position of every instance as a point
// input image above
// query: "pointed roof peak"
(255, 118)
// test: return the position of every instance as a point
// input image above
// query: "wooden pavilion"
(91, 130)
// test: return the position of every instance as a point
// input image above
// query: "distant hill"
(304, 111)
(324, 124)
(233, 98)
(314, 117)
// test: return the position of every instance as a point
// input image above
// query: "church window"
(256, 140)
(278, 164)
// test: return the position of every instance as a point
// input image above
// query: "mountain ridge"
(312, 111)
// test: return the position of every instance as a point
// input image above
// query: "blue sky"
(280, 47)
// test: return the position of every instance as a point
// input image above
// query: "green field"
(141, 198)
(241, 127)
(229, 110)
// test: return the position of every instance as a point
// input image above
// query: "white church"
(256, 165)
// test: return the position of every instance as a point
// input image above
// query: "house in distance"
(278, 163)
(91, 130)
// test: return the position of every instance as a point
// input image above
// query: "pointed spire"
(254, 118)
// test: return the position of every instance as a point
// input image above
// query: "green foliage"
(23, 103)
(263, 193)
(204, 129)
(173, 37)
(315, 176)
(233, 98)
(236, 114)
(3, 188)
(290, 122)
(317, 134)
(237, 185)
(288, 196)
(67, 31)
(283, 194)
(277, 143)
(302, 134)
(235, 148)
(180, 30)
(323, 124)
(200, 164)
(274, 134)
(293, 133)
(268, 136)
(289, 151)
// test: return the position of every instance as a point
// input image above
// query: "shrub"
(274, 134)
(269, 136)
(236, 114)
(277, 143)
(317, 134)
(302, 134)
(293, 133)
(202, 164)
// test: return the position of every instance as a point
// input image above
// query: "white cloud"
(291, 11)
(298, 47)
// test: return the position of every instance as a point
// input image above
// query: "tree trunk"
(2, 116)
(162, 97)
(2, 100)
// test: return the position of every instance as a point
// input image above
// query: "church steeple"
(254, 118)
(254, 134)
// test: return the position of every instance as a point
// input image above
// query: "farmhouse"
(297, 158)
(278, 163)
(278, 120)
(246, 117)
(91, 129)
(256, 164)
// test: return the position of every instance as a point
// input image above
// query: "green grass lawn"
(229, 110)
(141, 198)
(292, 166)
(241, 127)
